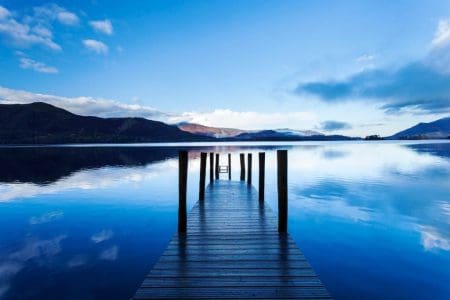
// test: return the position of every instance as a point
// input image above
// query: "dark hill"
(434, 130)
(41, 123)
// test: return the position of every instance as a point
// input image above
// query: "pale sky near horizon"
(339, 67)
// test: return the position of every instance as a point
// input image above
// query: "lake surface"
(373, 219)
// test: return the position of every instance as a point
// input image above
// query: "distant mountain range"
(233, 133)
(215, 132)
(41, 123)
(284, 134)
(279, 134)
(288, 135)
(439, 129)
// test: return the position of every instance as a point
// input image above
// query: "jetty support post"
(282, 190)
(249, 169)
(201, 195)
(242, 159)
(211, 167)
(262, 170)
(229, 166)
(217, 166)
(182, 187)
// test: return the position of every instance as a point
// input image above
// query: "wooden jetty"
(232, 246)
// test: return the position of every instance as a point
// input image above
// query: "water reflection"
(45, 165)
(383, 209)
(366, 215)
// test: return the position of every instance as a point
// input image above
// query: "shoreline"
(230, 143)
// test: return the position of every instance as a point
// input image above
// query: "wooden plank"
(226, 241)
(235, 292)
(232, 250)
(232, 281)
(231, 272)
(238, 257)
(235, 251)
(253, 236)
(224, 265)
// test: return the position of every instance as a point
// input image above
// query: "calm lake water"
(373, 219)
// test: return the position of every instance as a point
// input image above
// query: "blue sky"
(351, 67)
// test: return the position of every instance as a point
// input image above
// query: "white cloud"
(46, 218)
(442, 34)
(110, 253)
(249, 120)
(445, 207)
(90, 179)
(439, 56)
(365, 58)
(90, 106)
(87, 106)
(77, 261)
(28, 63)
(8, 270)
(42, 31)
(333, 206)
(39, 249)
(24, 34)
(102, 236)
(67, 18)
(104, 26)
(432, 239)
(53, 12)
(4, 13)
(96, 46)
(35, 29)
(392, 164)
(365, 62)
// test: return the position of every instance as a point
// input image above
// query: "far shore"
(231, 143)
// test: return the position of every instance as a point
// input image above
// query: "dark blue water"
(373, 219)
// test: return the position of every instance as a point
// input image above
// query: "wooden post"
(229, 166)
(242, 158)
(262, 169)
(211, 167)
(217, 166)
(182, 186)
(282, 190)
(249, 169)
(201, 195)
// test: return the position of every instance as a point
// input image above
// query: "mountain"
(209, 131)
(291, 132)
(234, 133)
(42, 123)
(439, 129)
(283, 135)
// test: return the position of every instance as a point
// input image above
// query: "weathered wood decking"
(232, 249)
